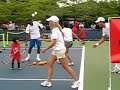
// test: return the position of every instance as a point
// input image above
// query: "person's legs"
(38, 43)
(32, 44)
(68, 45)
(51, 61)
(61, 56)
(71, 72)
(68, 68)
(29, 52)
(69, 57)
(82, 41)
(12, 64)
(18, 61)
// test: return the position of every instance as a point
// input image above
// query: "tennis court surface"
(30, 77)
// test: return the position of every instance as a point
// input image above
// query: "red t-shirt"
(82, 34)
(15, 51)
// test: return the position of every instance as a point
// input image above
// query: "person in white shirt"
(33, 30)
(68, 38)
(58, 52)
(105, 30)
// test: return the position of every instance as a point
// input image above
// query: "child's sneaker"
(46, 84)
(11, 68)
(19, 68)
(70, 63)
(75, 84)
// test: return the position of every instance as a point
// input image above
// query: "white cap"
(53, 18)
(100, 19)
(81, 25)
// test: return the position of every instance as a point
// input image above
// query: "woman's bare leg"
(51, 61)
(68, 68)
(68, 55)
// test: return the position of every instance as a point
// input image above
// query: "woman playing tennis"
(58, 52)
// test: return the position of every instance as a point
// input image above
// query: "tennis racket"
(7, 59)
(23, 54)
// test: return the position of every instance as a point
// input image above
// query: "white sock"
(38, 55)
(28, 55)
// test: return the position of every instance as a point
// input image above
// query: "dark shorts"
(68, 44)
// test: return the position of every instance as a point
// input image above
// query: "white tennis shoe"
(38, 59)
(75, 84)
(27, 58)
(46, 84)
(115, 70)
(70, 63)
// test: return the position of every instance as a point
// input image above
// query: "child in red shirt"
(15, 52)
(82, 35)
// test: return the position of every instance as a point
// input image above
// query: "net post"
(3, 36)
(7, 39)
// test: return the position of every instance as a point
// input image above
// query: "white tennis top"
(105, 31)
(67, 34)
(56, 34)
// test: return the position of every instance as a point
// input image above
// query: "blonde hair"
(56, 24)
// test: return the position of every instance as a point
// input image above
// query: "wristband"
(97, 44)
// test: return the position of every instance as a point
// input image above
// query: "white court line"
(50, 48)
(81, 75)
(11, 79)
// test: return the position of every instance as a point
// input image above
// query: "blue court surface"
(30, 77)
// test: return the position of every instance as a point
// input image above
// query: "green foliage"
(20, 10)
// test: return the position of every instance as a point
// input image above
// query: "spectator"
(12, 25)
(93, 26)
(82, 33)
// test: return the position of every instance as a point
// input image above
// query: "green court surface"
(97, 68)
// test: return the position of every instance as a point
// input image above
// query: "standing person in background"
(105, 30)
(58, 52)
(76, 24)
(75, 27)
(82, 33)
(8, 27)
(68, 38)
(33, 28)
